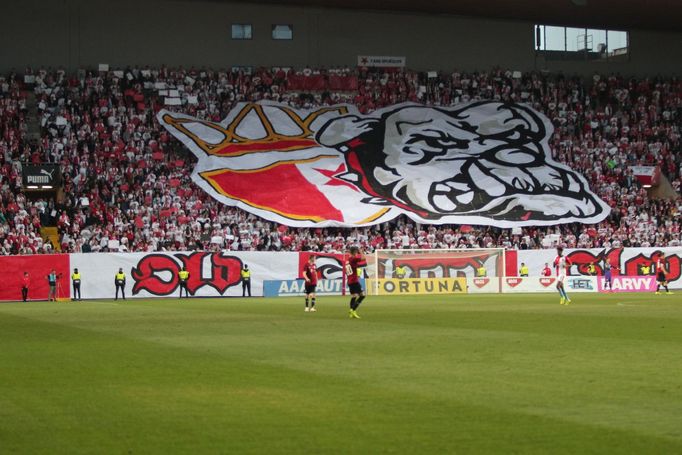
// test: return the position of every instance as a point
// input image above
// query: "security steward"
(481, 271)
(400, 272)
(76, 280)
(523, 271)
(184, 276)
(246, 280)
(120, 282)
(591, 269)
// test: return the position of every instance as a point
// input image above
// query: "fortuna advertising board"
(411, 286)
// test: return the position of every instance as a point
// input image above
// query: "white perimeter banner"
(629, 262)
(529, 284)
(548, 284)
(156, 274)
(485, 285)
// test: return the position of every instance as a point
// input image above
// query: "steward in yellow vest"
(120, 282)
(523, 271)
(184, 276)
(246, 280)
(76, 280)
(591, 270)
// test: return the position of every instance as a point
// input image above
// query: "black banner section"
(41, 176)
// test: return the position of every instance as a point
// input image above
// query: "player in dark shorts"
(356, 261)
(661, 275)
(607, 276)
(310, 277)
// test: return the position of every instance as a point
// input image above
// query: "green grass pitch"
(450, 374)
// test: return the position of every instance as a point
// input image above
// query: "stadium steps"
(50, 234)
(32, 121)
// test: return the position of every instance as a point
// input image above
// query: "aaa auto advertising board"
(285, 288)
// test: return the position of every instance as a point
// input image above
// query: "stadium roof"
(611, 14)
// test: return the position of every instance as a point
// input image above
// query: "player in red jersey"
(356, 261)
(661, 275)
(310, 277)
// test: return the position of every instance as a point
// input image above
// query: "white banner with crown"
(484, 163)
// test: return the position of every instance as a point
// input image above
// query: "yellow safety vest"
(76, 276)
(481, 271)
(524, 270)
(400, 271)
(184, 274)
(120, 276)
(246, 274)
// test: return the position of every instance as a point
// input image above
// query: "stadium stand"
(126, 179)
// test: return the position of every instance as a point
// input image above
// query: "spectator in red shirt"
(26, 282)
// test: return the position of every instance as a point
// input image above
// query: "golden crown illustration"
(234, 144)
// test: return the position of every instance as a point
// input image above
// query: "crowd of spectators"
(127, 183)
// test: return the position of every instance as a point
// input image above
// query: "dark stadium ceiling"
(613, 14)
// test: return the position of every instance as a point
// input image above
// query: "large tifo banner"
(483, 163)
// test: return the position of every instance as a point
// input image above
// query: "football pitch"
(438, 374)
